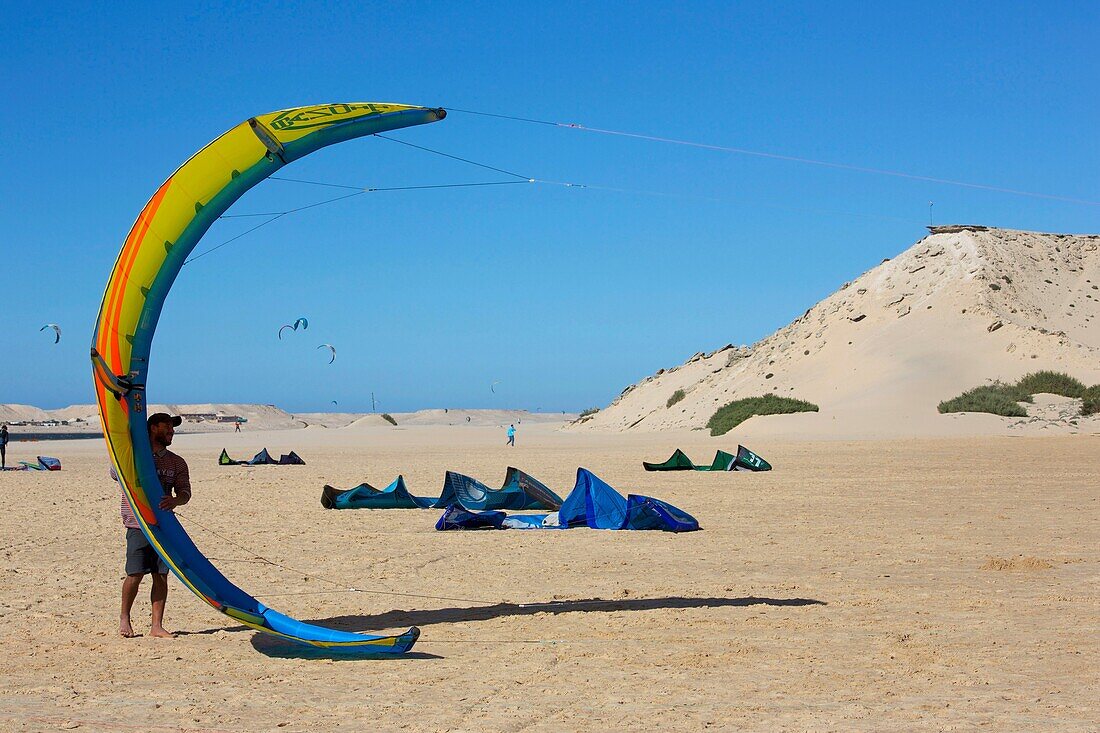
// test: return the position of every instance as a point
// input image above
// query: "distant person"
(237, 426)
(512, 435)
(467, 418)
(141, 558)
(4, 446)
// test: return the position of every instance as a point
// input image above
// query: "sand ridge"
(202, 418)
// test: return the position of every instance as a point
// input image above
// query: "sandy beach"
(945, 584)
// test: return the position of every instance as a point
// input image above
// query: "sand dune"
(12, 412)
(961, 307)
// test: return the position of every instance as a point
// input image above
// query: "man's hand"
(169, 502)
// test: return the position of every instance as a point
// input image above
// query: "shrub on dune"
(1090, 404)
(997, 398)
(738, 411)
(1049, 382)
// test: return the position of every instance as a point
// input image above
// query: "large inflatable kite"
(165, 233)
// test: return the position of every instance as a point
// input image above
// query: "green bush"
(738, 411)
(676, 397)
(388, 418)
(589, 411)
(996, 398)
(1091, 400)
(1051, 383)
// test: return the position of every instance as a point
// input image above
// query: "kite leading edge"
(165, 233)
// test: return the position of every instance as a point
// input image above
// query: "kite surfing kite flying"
(331, 348)
(300, 322)
(493, 386)
(165, 233)
(56, 331)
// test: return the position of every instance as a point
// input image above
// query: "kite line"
(521, 178)
(780, 156)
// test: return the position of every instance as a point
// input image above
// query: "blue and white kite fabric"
(592, 503)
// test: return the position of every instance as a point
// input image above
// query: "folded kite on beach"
(592, 503)
(365, 496)
(263, 458)
(45, 463)
(745, 460)
(519, 491)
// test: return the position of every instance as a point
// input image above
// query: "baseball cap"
(159, 417)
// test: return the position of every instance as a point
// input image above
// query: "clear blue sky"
(565, 295)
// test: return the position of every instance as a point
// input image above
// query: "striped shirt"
(174, 477)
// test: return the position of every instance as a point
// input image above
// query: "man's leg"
(130, 585)
(157, 596)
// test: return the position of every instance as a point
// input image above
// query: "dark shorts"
(141, 558)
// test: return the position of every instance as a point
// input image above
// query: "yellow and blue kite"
(165, 233)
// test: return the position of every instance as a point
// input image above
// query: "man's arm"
(183, 484)
(182, 488)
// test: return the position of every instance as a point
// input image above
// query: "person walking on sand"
(4, 446)
(237, 426)
(512, 435)
(141, 558)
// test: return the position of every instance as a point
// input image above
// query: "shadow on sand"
(275, 647)
(398, 619)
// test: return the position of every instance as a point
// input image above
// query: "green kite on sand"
(745, 460)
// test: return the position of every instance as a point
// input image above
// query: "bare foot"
(125, 630)
(161, 633)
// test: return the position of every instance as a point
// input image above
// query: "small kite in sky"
(56, 331)
(300, 322)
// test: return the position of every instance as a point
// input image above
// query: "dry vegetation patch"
(1018, 563)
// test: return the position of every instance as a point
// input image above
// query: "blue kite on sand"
(365, 496)
(519, 491)
(45, 463)
(592, 503)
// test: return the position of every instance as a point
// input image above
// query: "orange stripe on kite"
(130, 251)
(126, 264)
(114, 295)
(146, 512)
